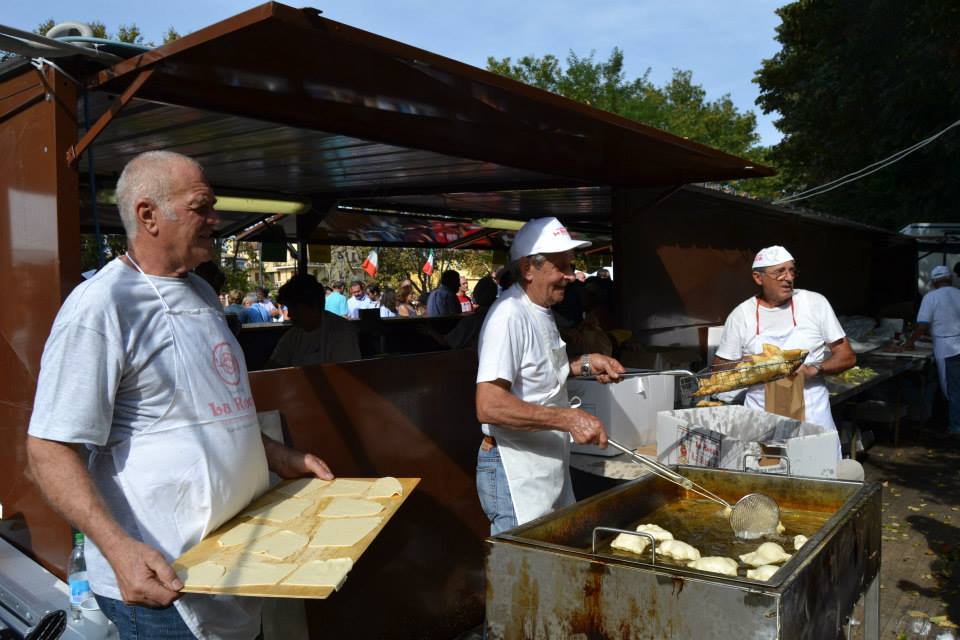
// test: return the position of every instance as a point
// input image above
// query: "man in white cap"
(791, 319)
(939, 316)
(523, 469)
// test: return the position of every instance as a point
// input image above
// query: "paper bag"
(784, 397)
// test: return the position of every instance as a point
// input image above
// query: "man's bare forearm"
(56, 468)
(496, 405)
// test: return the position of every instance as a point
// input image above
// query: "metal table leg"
(871, 610)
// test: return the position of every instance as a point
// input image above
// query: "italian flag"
(370, 264)
(428, 265)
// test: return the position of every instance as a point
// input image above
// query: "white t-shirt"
(817, 325)
(940, 309)
(511, 348)
(109, 370)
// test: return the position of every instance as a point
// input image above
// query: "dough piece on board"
(321, 573)
(303, 487)
(282, 511)
(200, 574)
(253, 573)
(385, 488)
(350, 508)
(633, 544)
(244, 533)
(659, 533)
(343, 487)
(763, 572)
(280, 545)
(678, 550)
(343, 532)
(766, 553)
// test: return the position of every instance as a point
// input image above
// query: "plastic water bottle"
(77, 578)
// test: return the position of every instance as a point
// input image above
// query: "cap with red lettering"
(543, 235)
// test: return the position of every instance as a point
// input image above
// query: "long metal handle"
(669, 474)
(686, 483)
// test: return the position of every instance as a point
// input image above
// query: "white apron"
(943, 348)
(537, 463)
(816, 396)
(199, 464)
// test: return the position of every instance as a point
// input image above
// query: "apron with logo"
(816, 397)
(201, 462)
(537, 463)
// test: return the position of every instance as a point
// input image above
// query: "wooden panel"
(306, 524)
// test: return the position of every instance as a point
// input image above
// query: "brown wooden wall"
(39, 266)
(405, 416)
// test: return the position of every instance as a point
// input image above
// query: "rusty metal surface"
(400, 416)
(543, 578)
(368, 87)
(39, 265)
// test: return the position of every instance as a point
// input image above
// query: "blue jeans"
(952, 371)
(135, 622)
(494, 491)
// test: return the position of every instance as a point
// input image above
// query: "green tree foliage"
(125, 32)
(680, 106)
(855, 82)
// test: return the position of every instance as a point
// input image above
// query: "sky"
(723, 42)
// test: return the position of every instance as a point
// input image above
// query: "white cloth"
(354, 305)
(940, 308)
(519, 343)
(145, 369)
(386, 313)
(335, 341)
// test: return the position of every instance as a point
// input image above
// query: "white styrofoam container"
(719, 436)
(628, 409)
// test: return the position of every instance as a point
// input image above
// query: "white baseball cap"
(770, 256)
(940, 272)
(543, 235)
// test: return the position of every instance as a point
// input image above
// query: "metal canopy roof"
(292, 67)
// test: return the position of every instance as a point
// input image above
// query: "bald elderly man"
(790, 318)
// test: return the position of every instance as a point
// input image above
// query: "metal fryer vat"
(544, 581)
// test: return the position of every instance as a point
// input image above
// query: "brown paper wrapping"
(784, 397)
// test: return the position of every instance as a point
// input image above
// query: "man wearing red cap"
(523, 467)
(788, 318)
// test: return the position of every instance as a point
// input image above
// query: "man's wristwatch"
(585, 369)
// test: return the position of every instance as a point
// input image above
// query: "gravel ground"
(920, 570)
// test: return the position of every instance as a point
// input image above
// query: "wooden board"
(210, 550)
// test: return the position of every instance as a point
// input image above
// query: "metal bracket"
(75, 151)
(743, 461)
(641, 534)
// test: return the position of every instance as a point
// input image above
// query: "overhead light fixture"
(500, 223)
(235, 204)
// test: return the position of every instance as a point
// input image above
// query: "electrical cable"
(865, 171)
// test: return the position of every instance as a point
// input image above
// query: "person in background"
(317, 335)
(466, 333)
(523, 466)
(254, 312)
(358, 300)
(373, 294)
(788, 318)
(504, 278)
(235, 312)
(443, 299)
(336, 302)
(388, 304)
(466, 305)
(405, 306)
(264, 301)
(939, 316)
(144, 433)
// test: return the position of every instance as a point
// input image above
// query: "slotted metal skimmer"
(753, 516)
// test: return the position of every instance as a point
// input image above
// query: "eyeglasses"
(781, 274)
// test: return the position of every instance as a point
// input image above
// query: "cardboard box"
(627, 409)
(720, 436)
